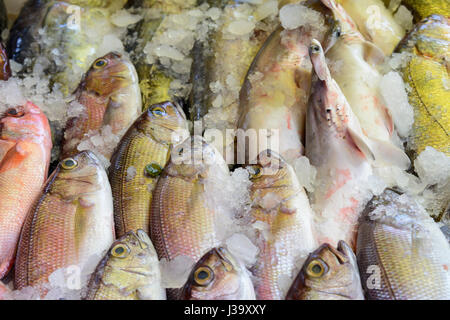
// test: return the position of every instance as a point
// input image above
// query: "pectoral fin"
(372, 54)
(361, 142)
(388, 154)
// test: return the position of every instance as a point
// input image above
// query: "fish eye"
(153, 170)
(255, 172)
(120, 251)
(159, 112)
(315, 48)
(203, 276)
(69, 164)
(316, 268)
(14, 113)
(100, 63)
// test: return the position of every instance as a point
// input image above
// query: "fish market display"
(355, 71)
(281, 203)
(129, 271)
(25, 145)
(224, 150)
(328, 274)
(70, 223)
(426, 72)
(401, 252)
(138, 162)
(109, 95)
(218, 276)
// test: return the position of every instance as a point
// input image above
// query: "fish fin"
(5, 146)
(13, 158)
(361, 143)
(389, 120)
(372, 54)
(387, 153)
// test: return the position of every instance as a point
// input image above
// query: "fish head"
(327, 101)
(79, 175)
(166, 123)
(109, 74)
(270, 171)
(342, 19)
(25, 122)
(131, 252)
(195, 158)
(217, 276)
(328, 271)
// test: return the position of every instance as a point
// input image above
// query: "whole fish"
(110, 95)
(218, 276)
(279, 98)
(5, 67)
(360, 85)
(25, 150)
(144, 151)
(69, 225)
(337, 147)
(402, 253)
(427, 74)
(375, 22)
(328, 274)
(282, 205)
(129, 271)
(181, 222)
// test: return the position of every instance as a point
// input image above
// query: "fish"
(279, 202)
(110, 94)
(341, 153)
(426, 72)
(218, 275)
(226, 73)
(145, 148)
(360, 84)
(25, 151)
(5, 67)
(129, 271)
(279, 98)
(401, 252)
(181, 221)
(328, 274)
(154, 79)
(202, 62)
(23, 37)
(375, 22)
(70, 225)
